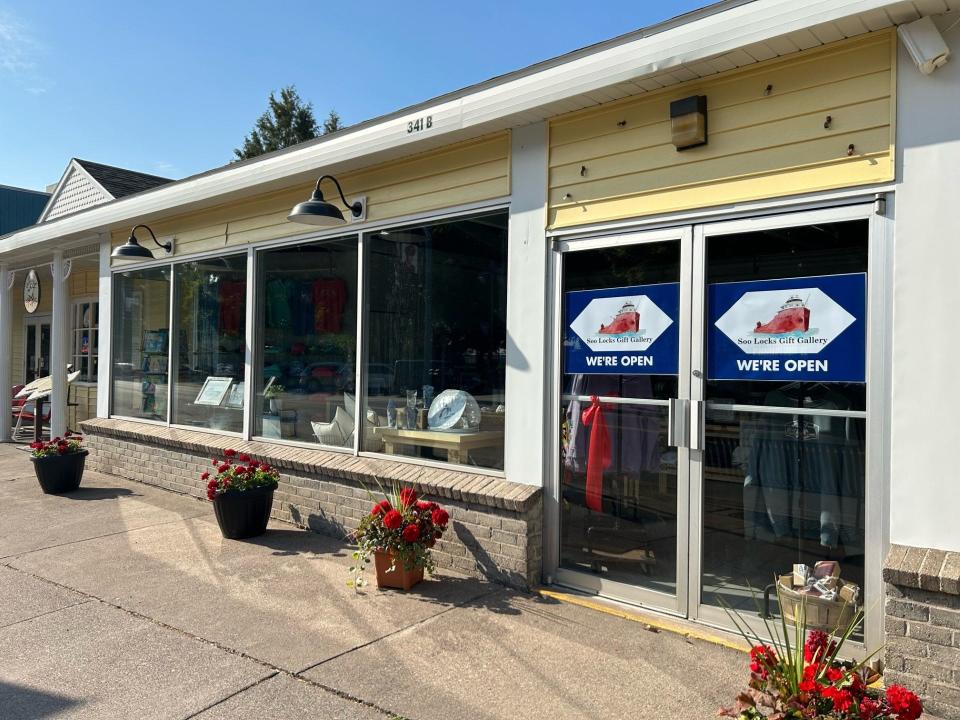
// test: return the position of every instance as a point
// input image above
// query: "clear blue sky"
(171, 88)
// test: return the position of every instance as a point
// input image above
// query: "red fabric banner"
(599, 455)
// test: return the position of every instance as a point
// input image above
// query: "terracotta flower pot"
(243, 513)
(399, 577)
(60, 473)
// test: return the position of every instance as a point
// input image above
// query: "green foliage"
(287, 121)
(332, 123)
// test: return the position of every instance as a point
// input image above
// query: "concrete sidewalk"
(122, 600)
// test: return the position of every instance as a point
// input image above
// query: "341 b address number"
(420, 124)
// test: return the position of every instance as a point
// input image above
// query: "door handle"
(697, 423)
(677, 425)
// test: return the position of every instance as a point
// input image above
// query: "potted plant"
(59, 463)
(241, 490)
(273, 395)
(398, 533)
(804, 678)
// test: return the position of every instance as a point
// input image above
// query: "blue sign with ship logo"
(625, 331)
(802, 329)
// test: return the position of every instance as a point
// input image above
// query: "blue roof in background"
(19, 208)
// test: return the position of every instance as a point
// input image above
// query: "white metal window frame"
(253, 356)
(876, 206)
(76, 331)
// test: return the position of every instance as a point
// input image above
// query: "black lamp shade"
(132, 250)
(317, 211)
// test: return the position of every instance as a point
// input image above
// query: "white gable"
(75, 191)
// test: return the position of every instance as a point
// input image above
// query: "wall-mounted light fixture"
(688, 122)
(133, 250)
(317, 211)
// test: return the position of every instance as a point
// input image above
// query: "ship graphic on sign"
(792, 317)
(626, 321)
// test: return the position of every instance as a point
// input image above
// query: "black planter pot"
(243, 513)
(60, 473)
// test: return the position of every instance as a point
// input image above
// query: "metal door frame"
(634, 594)
(879, 234)
(693, 237)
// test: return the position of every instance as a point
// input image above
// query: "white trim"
(105, 328)
(72, 167)
(525, 376)
(6, 337)
(502, 103)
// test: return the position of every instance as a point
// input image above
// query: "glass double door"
(711, 387)
(36, 348)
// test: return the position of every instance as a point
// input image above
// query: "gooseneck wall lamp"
(317, 211)
(133, 250)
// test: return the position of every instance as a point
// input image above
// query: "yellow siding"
(467, 172)
(617, 161)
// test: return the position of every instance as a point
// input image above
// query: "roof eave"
(501, 103)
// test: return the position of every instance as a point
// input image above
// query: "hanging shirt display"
(805, 472)
(329, 300)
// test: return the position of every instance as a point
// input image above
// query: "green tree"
(332, 123)
(287, 121)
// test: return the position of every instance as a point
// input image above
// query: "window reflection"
(308, 335)
(141, 343)
(437, 341)
(210, 315)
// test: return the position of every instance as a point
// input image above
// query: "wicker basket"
(827, 615)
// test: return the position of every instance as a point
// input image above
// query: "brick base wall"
(922, 616)
(496, 528)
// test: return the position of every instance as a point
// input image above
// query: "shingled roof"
(120, 182)
(85, 184)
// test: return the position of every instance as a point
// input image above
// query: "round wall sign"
(31, 292)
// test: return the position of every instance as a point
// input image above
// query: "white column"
(104, 345)
(6, 359)
(58, 347)
(527, 304)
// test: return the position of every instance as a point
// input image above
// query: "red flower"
(869, 709)
(815, 646)
(223, 468)
(440, 517)
(904, 704)
(408, 496)
(381, 507)
(205, 476)
(834, 674)
(215, 461)
(762, 658)
(241, 470)
(212, 485)
(252, 464)
(244, 457)
(421, 505)
(230, 453)
(211, 493)
(392, 520)
(411, 533)
(842, 699)
(809, 683)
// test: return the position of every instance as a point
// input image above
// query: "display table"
(458, 444)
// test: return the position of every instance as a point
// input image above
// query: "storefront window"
(210, 321)
(84, 339)
(141, 343)
(307, 322)
(437, 341)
